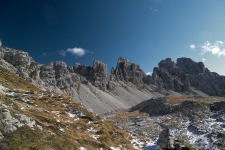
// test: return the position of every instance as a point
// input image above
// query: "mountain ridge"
(126, 86)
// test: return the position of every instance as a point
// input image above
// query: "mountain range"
(168, 91)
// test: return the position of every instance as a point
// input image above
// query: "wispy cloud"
(149, 73)
(44, 54)
(157, 1)
(216, 48)
(155, 10)
(77, 51)
(192, 46)
(203, 59)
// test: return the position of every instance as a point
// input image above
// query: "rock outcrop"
(166, 139)
(100, 76)
(63, 76)
(26, 66)
(129, 72)
(20, 63)
(186, 73)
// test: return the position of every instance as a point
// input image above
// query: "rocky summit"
(186, 75)
(179, 107)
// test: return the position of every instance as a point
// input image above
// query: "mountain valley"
(55, 106)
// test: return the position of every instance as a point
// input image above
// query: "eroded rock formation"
(185, 74)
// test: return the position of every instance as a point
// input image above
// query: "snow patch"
(116, 148)
(61, 129)
(92, 130)
(2, 89)
(152, 145)
(94, 136)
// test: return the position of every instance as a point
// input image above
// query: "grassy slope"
(42, 107)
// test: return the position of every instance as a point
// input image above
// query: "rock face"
(94, 88)
(9, 122)
(63, 76)
(169, 76)
(23, 62)
(20, 63)
(166, 139)
(60, 75)
(185, 74)
(129, 72)
(100, 76)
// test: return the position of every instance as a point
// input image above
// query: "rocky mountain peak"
(99, 66)
(128, 72)
(122, 63)
(185, 74)
(190, 66)
(167, 63)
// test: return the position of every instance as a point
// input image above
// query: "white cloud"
(217, 48)
(44, 54)
(74, 51)
(203, 59)
(149, 73)
(192, 46)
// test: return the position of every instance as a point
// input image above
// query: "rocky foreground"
(194, 122)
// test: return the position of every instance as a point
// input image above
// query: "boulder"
(10, 123)
(166, 139)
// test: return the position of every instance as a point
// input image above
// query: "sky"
(142, 31)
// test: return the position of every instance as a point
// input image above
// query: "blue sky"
(142, 31)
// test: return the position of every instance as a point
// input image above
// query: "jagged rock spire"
(0, 43)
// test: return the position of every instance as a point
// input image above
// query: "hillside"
(36, 119)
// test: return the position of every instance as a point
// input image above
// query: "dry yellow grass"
(50, 110)
(125, 113)
(12, 81)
